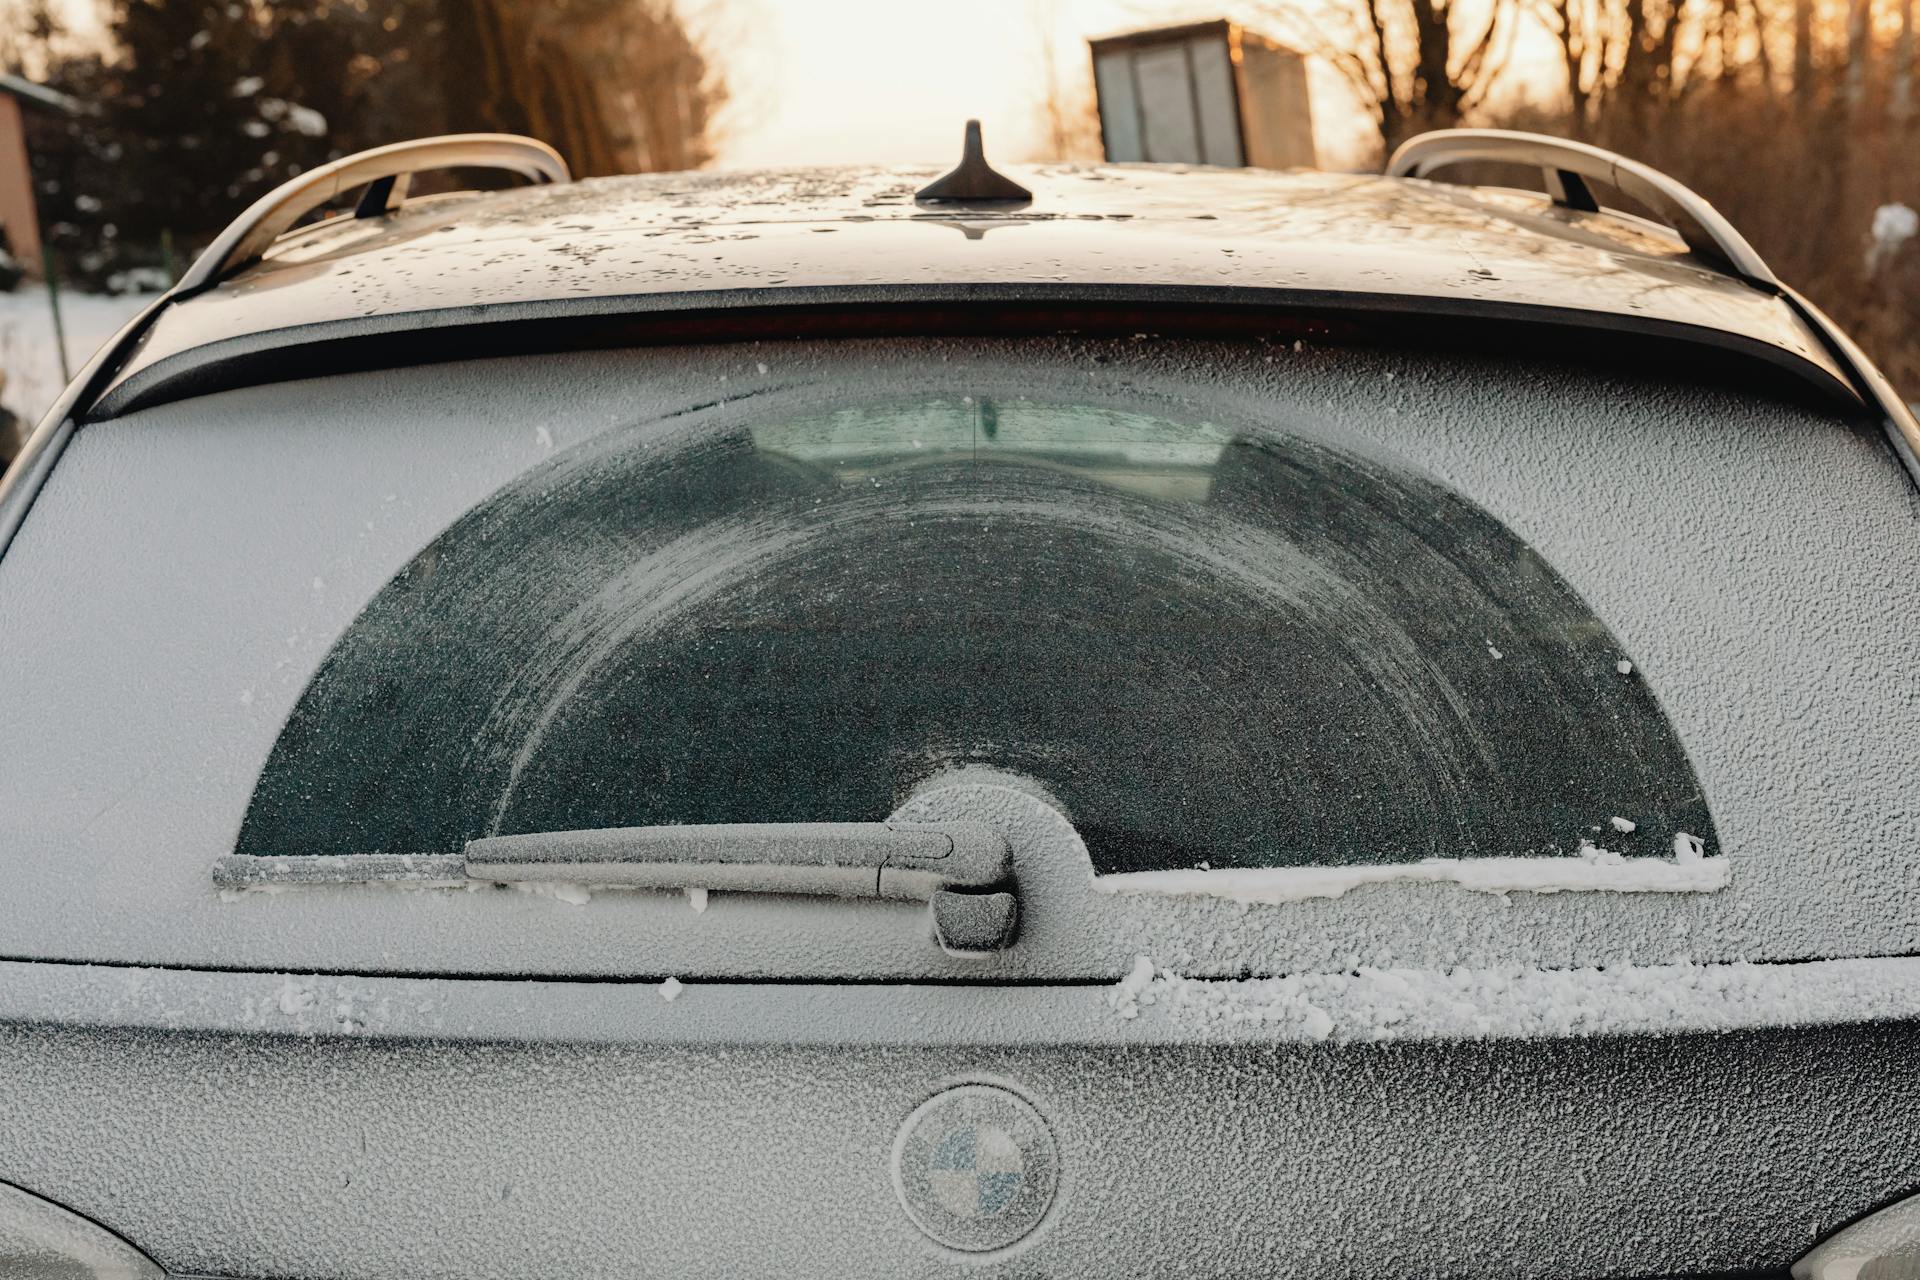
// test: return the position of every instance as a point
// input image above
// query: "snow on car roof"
(732, 242)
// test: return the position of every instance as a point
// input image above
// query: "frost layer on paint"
(1592, 869)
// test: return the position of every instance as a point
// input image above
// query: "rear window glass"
(1222, 647)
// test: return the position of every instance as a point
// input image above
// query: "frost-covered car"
(1088, 721)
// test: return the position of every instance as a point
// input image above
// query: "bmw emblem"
(975, 1168)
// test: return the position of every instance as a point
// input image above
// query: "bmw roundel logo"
(975, 1167)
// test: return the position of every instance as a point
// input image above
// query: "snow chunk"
(578, 895)
(1125, 998)
(670, 989)
(1592, 868)
(1893, 226)
(136, 280)
(1273, 1001)
(247, 86)
(291, 115)
(697, 899)
(305, 120)
(295, 997)
(1624, 667)
(1623, 825)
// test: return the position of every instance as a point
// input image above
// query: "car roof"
(730, 244)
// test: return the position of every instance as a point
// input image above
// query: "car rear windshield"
(1217, 644)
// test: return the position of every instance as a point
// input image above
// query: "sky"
(889, 81)
(893, 81)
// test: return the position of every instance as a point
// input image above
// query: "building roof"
(1147, 36)
(40, 95)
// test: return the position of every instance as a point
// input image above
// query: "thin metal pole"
(53, 300)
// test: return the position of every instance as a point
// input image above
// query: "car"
(1063, 720)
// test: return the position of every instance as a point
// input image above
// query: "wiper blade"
(963, 870)
(841, 859)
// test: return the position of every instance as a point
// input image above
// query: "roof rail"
(385, 171)
(1567, 168)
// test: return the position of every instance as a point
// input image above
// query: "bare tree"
(1900, 76)
(1803, 81)
(30, 30)
(1859, 51)
(1629, 51)
(1069, 112)
(616, 85)
(1583, 50)
(1806, 162)
(1415, 64)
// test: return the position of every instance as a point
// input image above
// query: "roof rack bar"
(247, 238)
(383, 196)
(1569, 166)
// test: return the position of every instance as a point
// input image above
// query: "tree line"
(1798, 119)
(192, 108)
(1427, 64)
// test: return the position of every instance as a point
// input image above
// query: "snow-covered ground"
(28, 354)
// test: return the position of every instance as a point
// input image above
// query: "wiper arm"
(963, 870)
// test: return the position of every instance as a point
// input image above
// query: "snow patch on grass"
(28, 353)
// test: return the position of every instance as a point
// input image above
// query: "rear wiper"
(963, 870)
